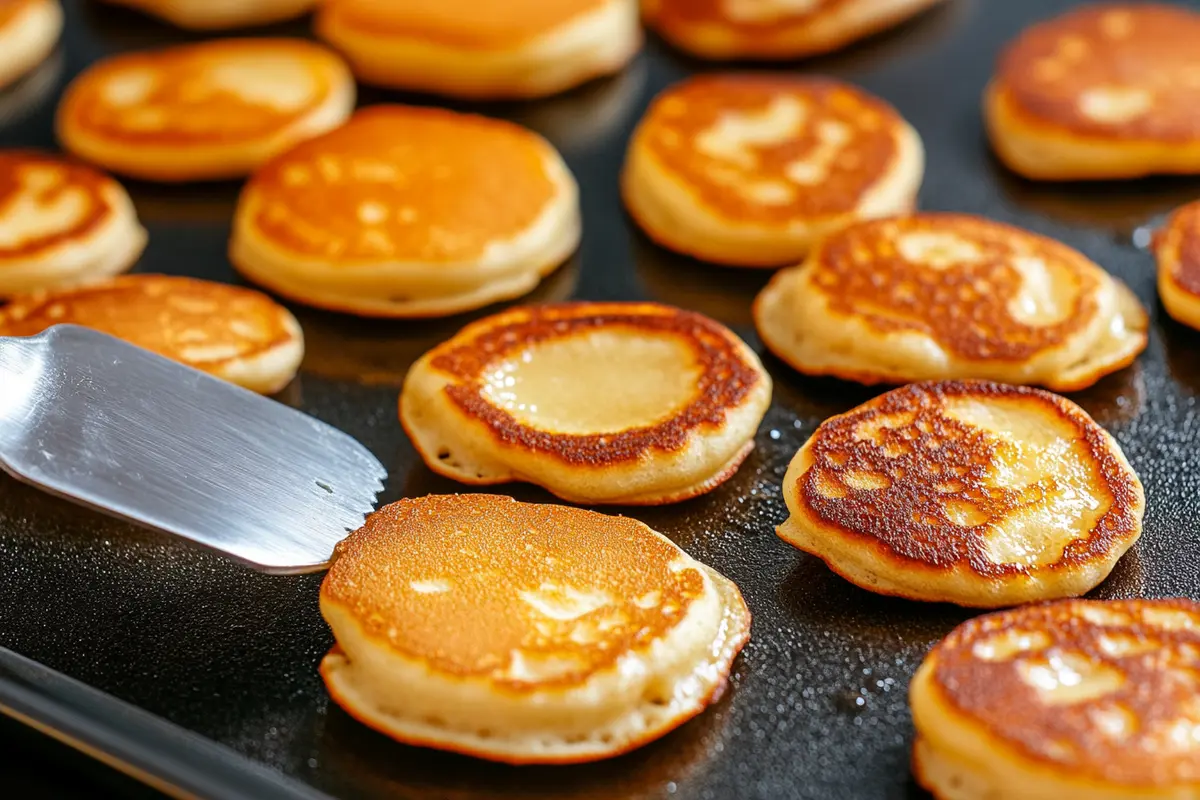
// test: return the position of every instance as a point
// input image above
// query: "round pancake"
(524, 633)
(29, 30)
(974, 493)
(61, 223)
(772, 29)
(1177, 247)
(514, 49)
(203, 111)
(1061, 701)
(408, 212)
(938, 296)
(1104, 91)
(208, 15)
(630, 403)
(233, 333)
(751, 170)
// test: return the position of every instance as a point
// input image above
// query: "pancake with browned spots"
(204, 111)
(751, 170)
(29, 31)
(1073, 700)
(524, 633)
(1104, 91)
(208, 15)
(227, 331)
(409, 212)
(938, 296)
(61, 223)
(516, 48)
(630, 403)
(772, 29)
(1177, 247)
(974, 493)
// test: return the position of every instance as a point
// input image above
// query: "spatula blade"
(96, 420)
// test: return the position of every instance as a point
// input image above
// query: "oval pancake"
(751, 170)
(203, 111)
(514, 49)
(408, 212)
(772, 29)
(524, 633)
(514, 397)
(937, 296)
(210, 15)
(29, 30)
(974, 493)
(1074, 700)
(61, 223)
(1177, 247)
(1104, 91)
(227, 331)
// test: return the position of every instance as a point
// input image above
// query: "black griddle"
(818, 702)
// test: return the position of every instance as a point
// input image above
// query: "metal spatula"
(103, 423)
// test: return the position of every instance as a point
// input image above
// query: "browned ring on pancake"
(70, 178)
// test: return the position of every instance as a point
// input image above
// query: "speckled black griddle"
(817, 707)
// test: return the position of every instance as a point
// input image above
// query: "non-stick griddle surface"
(817, 707)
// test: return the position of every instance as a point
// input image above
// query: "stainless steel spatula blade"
(93, 419)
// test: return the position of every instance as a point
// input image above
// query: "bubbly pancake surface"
(47, 202)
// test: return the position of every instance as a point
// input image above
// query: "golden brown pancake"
(631, 403)
(1103, 91)
(204, 111)
(232, 333)
(29, 30)
(524, 633)
(750, 170)
(974, 493)
(1177, 246)
(946, 296)
(208, 15)
(772, 29)
(1063, 701)
(408, 212)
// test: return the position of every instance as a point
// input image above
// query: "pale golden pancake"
(524, 633)
(1177, 246)
(974, 493)
(29, 30)
(629, 403)
(408, 212)
(233, 333)
(752, 170)
(204, 111)
(61, 223)
(772, 29)
(937, 296)
(1073, 700)
(517, 48)
(1103, 91)
(207, 15)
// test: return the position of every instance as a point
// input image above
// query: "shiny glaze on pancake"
(1135, 65)
(1126, 709)
(843, 139)
(963, 305)
(52, 186)
(526, 596)
(1179, 241)
(896, 484)
(457, 23)
(404, 183)
(201, 94)
(725, 378)
(202, 324)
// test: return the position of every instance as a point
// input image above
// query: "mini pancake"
(208, 15)
(524, 633)
(940, 296)
(408, 212)
(1063, 701)
(630, 403)
(1177, 246)
(29, 30)
(203, 111)
(513, 49)
(61, 223)
(772, 29)
(751, 170)
(974, 493)
(1104, 91)
(233, 333)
